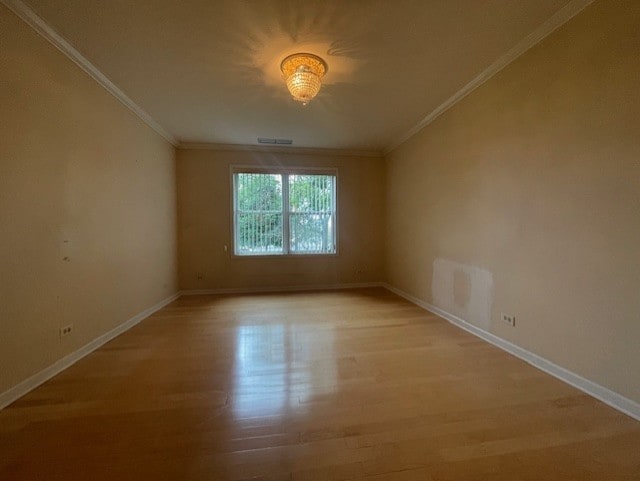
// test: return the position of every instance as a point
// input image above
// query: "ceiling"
(208, 71)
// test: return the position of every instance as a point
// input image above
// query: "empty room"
(363, 240)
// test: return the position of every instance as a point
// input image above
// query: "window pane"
(258, 225)
(311, 214)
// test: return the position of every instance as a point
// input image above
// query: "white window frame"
(285, 173)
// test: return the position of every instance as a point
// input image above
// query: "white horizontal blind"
(284, 213)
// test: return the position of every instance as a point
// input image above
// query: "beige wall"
(205, 224)
(87, 207)
(525, 197)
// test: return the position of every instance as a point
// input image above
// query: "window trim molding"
(281, 170)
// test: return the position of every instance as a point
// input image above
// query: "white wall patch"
(463, 290)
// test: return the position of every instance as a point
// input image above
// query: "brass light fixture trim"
(303, 74)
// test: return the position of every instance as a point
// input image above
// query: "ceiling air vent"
(265, 140)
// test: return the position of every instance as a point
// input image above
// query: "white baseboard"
(259, 290)
(611, 398)
(34, 381)
(39, 378)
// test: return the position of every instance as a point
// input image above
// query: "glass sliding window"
(311, 214)
(258, 214)
(284, 213)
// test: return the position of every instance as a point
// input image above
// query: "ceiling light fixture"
(303, 74)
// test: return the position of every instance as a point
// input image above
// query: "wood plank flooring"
(344, 385)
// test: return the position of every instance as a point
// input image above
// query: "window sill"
(283, 256)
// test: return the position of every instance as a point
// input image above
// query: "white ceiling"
(208, 71)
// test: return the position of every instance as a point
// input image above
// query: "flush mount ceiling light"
(303, 74)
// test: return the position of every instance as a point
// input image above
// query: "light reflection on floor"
(277, 364)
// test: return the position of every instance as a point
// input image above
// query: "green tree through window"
(259, 213)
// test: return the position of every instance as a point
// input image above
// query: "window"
(284, 213)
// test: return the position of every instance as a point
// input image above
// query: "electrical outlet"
(509, 319)
(66, 330)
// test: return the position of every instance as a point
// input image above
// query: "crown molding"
(36, 22)
(278, 149)
(561, 17)
(29, 16)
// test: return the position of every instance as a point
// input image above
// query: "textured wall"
(526, 195)
(204, 182)
(87, 207)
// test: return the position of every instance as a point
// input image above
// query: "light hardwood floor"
(346, 385)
